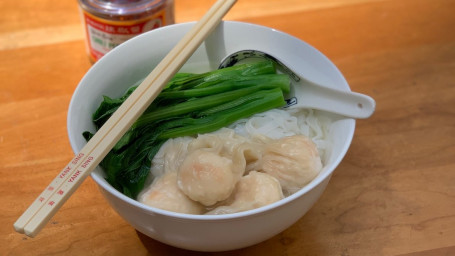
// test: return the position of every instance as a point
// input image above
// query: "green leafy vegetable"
(189, 105)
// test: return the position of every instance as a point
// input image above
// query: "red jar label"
(103, 35)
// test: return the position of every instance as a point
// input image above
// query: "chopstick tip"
(30, 233)
(19, 228)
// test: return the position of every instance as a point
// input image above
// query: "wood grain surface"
(393, 194)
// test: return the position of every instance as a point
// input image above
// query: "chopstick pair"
(72, 175)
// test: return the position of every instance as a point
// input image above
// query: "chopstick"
(72, 175)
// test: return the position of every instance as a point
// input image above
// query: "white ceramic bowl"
(131, 61)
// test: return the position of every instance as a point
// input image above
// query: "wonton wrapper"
(170, 156)
(294, 161)
(206, 177)
(165, 194)
(253, 191)
(245, 153)
(214, 165)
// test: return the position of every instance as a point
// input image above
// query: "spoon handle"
(346, 103)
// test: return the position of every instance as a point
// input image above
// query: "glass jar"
(109, 23)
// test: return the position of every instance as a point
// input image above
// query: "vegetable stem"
(259, 102)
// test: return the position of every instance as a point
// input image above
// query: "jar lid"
(114, 8)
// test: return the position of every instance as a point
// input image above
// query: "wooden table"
(393, 194)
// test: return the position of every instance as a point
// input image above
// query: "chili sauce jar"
(109, 23)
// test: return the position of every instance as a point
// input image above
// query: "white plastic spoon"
(306, 94)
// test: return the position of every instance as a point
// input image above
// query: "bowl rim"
(102, 183)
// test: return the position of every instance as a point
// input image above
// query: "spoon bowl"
(307, 94)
